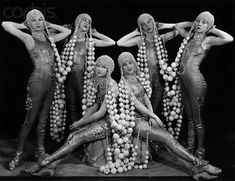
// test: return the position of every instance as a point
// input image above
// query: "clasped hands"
(156, 122)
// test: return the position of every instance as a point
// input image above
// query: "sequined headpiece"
(125, 56)
(143, 17)
(31, 14)
(208, 17)
(107, 62)
(80, 17)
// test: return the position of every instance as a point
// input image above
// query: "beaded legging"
(40, 95)
(91, 132)
(194, 89)
(74, 92)
(96, 131)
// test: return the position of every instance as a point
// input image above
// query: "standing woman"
(193, 86)
(151, 50)
(42, 50)
(80, 51)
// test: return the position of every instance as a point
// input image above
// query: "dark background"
(116, 18)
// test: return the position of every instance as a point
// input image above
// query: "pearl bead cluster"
(58, 114)
(57, 111)
(146, 161)
(172, 106)
(122, 124)
(89, 92)
(142, 60)
(145, 83)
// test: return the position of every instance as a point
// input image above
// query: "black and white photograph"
(117, 90)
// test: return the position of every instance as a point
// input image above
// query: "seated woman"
(148, 125)
(93, 126)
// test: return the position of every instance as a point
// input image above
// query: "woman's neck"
(130, 77)
(81, 35)
(199, 36)
(39, 35)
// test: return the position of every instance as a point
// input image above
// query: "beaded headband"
(208, 17)
(80, 17)
(107, 62)
(143, 17)
(32, 14)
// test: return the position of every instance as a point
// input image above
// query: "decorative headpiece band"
(107, 62)
(31, 14)
(124, 57)
(208, 17)
(82, 16)
(143, 17)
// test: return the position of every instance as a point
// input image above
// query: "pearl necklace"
(39, 35)
(198, 37)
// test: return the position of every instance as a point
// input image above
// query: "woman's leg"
(86, 134)
(92, 132)
(157, 92)
(188, 112)
(43, 116)
(197, 93)
(36, 93)
(71, 98)
(172, 144)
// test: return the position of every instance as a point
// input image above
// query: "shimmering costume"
(74, 87)
(154, 76)
(193, 85)
(193, 88)
(152, 59)
(40, 93)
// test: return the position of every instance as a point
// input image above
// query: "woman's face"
(100, 70)
(37, 23)
(201, 25)
(128, 67)
(147, 25)
(84, 25)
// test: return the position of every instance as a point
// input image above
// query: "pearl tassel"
(172, 106)
(122, 124)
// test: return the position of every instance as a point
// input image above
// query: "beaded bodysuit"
(154, 78)
(193, 88)
(75, 80)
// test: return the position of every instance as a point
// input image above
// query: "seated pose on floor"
(41, 85)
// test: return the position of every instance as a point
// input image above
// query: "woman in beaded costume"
(149, 126)
(151, 50)
(80, 51)
(42, 50)
(92, 128)
(193, 86)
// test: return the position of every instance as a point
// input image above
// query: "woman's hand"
(75, 125)
(94, 31)
(159, 122)
(153, 123)
(212, 29)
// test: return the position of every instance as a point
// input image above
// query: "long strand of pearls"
(88, 91)
(119, 158)
(57, 111)
(172, 100)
